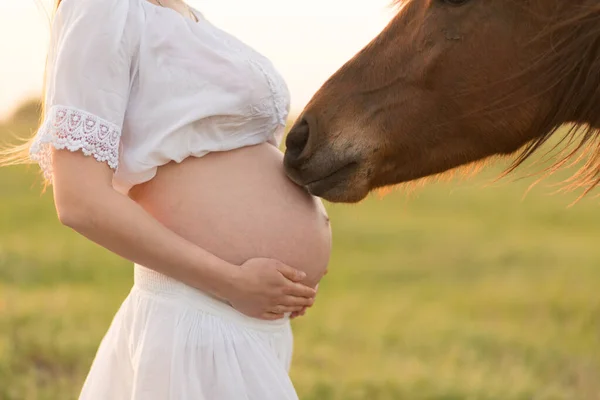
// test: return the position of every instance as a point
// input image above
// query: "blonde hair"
(19, 153)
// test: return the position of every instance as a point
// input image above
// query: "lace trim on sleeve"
(75, 130)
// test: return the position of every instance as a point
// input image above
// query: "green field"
(460, 291)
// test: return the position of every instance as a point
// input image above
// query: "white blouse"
(137, 85)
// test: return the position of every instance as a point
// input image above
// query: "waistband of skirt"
(163, 286)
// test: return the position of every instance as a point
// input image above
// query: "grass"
(461, 291)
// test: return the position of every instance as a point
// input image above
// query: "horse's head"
(448, 82)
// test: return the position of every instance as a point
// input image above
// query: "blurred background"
(470, 289)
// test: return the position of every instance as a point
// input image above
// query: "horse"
(449, 83)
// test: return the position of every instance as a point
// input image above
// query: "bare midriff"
(240, 205)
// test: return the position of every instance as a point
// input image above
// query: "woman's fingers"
(299, 297)
(292, 301)
(291, 273)
(295, 306)
(298, 313)
(269, 316)
(299, 290)
(286, 309)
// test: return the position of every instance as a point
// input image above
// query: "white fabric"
(164, 86)
(171, 342)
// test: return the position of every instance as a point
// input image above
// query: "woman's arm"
(86, 202)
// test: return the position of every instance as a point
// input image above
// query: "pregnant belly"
(240, 205)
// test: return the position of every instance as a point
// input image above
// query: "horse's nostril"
(296, 140)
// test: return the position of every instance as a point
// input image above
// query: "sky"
(307, 40)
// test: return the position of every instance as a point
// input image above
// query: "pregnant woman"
(159, 137)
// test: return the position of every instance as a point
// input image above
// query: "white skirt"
(170, 341)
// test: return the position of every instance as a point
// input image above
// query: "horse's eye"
(455, 2)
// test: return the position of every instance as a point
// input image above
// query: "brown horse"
(452, 82)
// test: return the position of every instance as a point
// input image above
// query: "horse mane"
(569, 72)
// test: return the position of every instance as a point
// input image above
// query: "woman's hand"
(267, 289)
(300, 313)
